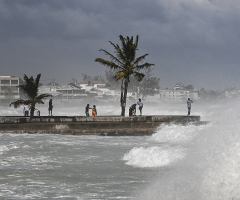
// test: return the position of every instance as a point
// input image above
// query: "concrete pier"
(100, 125)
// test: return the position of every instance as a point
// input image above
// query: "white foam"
(153, 156)
(3, 149)
(176, 133)
(210, 168)
(10, 111)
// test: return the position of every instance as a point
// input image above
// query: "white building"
(71, 93)
(91, 84)
(8, 88)
(45, 89)
(178, 94)
(154, 98)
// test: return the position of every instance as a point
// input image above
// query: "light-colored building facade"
(8, 88)
(178, 94)
(71, 93)
(91, 84)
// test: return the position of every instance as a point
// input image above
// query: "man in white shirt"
(26, 110)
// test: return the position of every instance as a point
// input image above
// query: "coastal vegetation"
(125, 64)
(30, 88)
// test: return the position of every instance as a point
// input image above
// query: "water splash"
(210, 169)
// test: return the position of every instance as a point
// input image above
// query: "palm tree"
(125, 64)
(30, 88)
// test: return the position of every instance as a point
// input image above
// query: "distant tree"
(30, 88)
(125, 63)
(110, 79)
(73, 85)
(149, 86)
(189, 87)
(74, 81)
(99, 78)
(209, 94)
(86, 77)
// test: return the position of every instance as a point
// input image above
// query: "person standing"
(26, 110)
(140, 104)
(87, 110)
(50, 107)
(189, 102)
(94, 111)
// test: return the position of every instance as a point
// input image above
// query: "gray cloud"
(193, 42)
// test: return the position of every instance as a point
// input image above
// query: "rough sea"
(177, 162)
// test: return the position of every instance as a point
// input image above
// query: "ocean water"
(177, 162)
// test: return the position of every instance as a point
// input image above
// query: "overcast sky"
(189, 41)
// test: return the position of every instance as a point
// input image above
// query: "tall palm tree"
(125, 64)
(30, 88)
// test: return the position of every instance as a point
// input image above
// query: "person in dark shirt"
(87, 110)
(189, 102)
(50, 107)
(132, 110)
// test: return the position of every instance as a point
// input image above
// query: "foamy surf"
(176, 133)
(153, 156)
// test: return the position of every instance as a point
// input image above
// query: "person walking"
(94, 111)
(87, 110)
(50, 108)
(189, 102)
(26, 110)
(140, 104)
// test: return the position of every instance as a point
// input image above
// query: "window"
(5, 82)
(14, 88)
(14, 82)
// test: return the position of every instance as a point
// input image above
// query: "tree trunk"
(124, 97)
(32, 109)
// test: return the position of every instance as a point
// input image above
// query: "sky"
(190, 41)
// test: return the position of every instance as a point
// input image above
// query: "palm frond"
(140, 59)
(110, 64)
(37, 80)
(145, 65)
(20, 102)
(136, 42)
(120, 75)
(30, 86)
(118, 51)
(123, 41)
(139, 76)
(111, 56)
(42, 96)
(114, 45)
(39, 101)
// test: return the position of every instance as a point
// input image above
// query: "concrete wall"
(101, 125)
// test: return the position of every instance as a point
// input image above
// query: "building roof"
(92, 82)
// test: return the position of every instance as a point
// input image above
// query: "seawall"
(100, 125)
